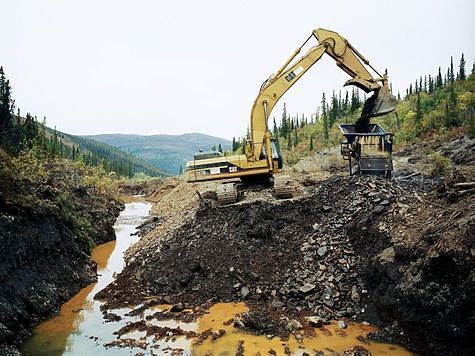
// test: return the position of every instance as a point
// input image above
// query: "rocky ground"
(396, 253)
(46, 231)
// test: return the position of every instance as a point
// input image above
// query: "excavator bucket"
(382, 102)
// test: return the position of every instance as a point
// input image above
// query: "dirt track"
(398, 254)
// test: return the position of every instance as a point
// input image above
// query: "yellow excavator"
(261, 158)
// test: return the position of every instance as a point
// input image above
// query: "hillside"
(166, 152)
(113, 158)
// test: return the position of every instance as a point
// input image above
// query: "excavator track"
(282, 187)
(227, 193)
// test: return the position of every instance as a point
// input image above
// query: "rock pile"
(294, 256)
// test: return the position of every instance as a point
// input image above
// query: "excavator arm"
(346, 57)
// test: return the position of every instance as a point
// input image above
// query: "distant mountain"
(166, 152)
(110, 157)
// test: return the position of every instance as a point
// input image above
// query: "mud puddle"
(329, 340)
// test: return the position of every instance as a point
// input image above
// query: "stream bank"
(46, 237)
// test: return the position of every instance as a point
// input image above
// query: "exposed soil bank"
(45, 257)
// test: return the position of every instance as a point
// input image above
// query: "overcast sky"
(150, 67)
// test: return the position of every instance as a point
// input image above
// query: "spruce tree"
(324, 104)
(311, 143)
(325, 118)
(284, 128)
(430, 85)
(418, 117)
(461, 74)
(438, 82)
(275, 130)
(346, 103)
(452, 103)
(354, 101)
(333, 112)
(6, 103)
(325, 127)
(451, 71)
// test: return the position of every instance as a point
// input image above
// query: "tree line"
(18, 133)
(444, 92)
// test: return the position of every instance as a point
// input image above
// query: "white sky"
(150, 67)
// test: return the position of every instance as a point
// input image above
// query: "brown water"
(328, 340)
(68, 333)
(79, 328)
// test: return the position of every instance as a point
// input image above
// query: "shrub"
(440, 164)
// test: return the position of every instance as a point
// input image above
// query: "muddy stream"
(80, 328)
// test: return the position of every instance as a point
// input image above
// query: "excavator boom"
(346, 57)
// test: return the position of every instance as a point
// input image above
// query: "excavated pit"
(367, 249)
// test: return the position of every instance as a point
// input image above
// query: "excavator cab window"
(276, 152)
(274, 145)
